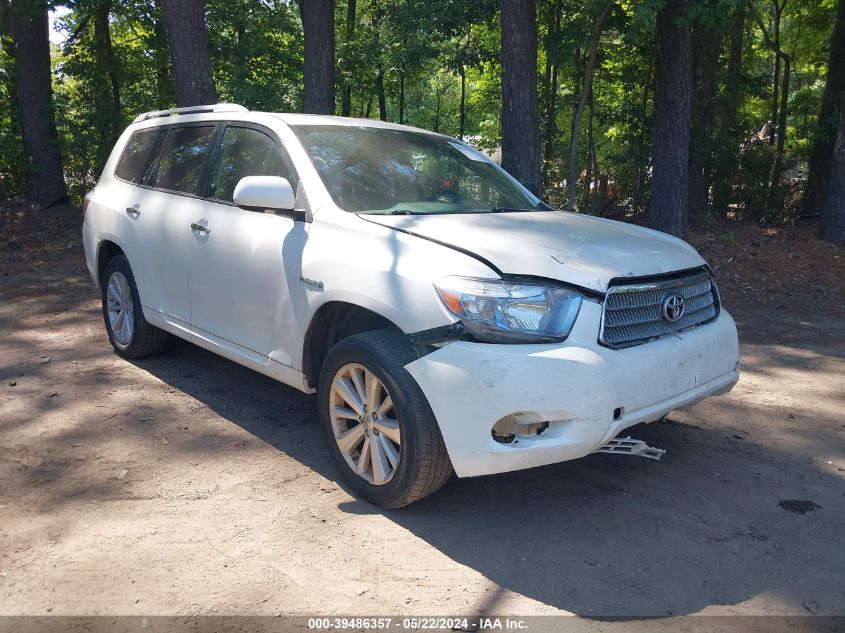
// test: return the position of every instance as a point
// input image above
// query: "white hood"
(578, 249)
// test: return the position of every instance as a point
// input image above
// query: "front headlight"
(509, 312)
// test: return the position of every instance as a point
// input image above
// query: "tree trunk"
(401, 98)
(188, 39)
(551, 115)
(520, 115)
(165, 95)
(437, 95)
(777, 12)
(463, 114)
(107, 102)
(592, 161)
(601, 201)
(551, 84)
(833, 212)
(318, 70)
(824, 137)
(382, 99)
(33, 76)
(240, 56)
(705, 58)
(642, 160)
(781, 130)
(725, 167)
(346, 103)
(672, 103)
(586, 90)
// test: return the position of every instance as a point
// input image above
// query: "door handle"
(202, 228)
(133, 211)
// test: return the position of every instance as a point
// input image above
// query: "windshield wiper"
(402, 212)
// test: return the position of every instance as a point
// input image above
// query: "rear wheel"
(377, 423)
(129, 333)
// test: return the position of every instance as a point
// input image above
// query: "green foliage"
(12, 160)
(257, 56)
(257, 51)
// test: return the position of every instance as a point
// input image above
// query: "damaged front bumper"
(578, 394)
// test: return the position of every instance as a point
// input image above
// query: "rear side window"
(181, 158)
(134, 155)
(247, 152)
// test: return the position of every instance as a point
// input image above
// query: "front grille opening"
(635, 313)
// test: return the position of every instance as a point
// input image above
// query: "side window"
(181, 158)
(134, 154)
(247, 152)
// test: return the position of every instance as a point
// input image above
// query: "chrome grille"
(633, 313)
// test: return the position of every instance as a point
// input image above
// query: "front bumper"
(587, 393)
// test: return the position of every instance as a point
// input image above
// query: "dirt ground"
(186, 484)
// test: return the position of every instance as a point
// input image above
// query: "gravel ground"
(185, 484)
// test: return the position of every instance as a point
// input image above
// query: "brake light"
(85, 202)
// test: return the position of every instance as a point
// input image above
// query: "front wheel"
(378, 425)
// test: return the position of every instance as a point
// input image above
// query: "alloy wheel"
(364, 424)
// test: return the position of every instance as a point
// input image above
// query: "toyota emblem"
(672, 307)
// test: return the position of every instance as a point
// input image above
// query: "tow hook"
(630, 446)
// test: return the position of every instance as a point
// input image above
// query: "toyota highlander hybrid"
(448, 320)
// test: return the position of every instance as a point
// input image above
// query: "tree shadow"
(604, 535)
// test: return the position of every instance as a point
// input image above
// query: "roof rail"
(214, 107)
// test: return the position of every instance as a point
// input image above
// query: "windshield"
(401, 172)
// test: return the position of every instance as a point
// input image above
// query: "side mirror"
(258, 193)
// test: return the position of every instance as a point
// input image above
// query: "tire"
(140, 338)
(423, 463)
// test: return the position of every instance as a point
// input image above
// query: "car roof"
(295, 118)
(233, 112)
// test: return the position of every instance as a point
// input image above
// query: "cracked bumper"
(576, 386)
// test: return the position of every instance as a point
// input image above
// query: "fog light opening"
(618, 412)
(516, 425)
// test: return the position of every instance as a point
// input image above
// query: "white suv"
(446, 317)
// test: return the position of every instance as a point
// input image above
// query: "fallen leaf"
(45, 359)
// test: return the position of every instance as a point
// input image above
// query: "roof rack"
(214, 107)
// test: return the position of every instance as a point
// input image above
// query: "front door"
(242, 263)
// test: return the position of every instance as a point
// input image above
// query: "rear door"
(239, 280)
(160, 209)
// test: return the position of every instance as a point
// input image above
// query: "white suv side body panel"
(241, 278)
